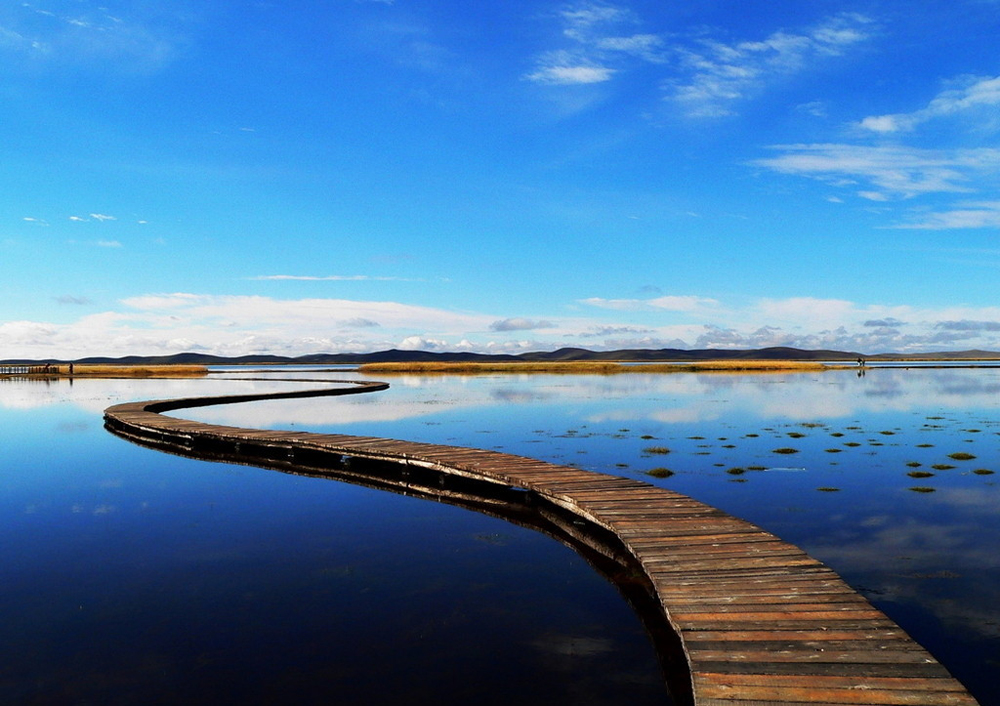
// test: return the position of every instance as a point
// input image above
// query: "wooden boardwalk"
(759, 621)
(17, 370)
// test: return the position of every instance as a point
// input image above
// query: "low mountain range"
(631, 355)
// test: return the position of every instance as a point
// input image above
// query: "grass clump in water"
(828, 489)
(833, 451)
(922, 489)
(914, 464)
(920, 474)
(736, 471)
(659, 472)
(656, 450)
(961, 456)
(983, 472)
(942, 467)
(786, 450)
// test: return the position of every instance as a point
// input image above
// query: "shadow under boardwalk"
(738, 616)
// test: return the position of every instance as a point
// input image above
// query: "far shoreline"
(78, 370)
(598, 367)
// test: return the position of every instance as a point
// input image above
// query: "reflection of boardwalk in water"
(759, 621)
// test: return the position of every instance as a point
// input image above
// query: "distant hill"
(630, 355)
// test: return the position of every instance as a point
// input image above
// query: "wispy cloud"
(332, 278)
(966, 325)
(716, 76)
(891, 169)
(562, 68)
(665, 303)
(360, 323)
(87, 34)
(606, 331)
(520, 324)
(896, 171)
(982, 214)
(702, 77)
(970, 94)
(102, 217)
(596, 46)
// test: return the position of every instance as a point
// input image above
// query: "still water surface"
(130, 572)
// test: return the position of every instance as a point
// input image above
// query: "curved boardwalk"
(759, 621)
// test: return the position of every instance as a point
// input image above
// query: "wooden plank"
(806, 663)
(822, 691)
(866, 638)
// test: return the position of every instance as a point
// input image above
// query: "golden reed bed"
(125, 371)
(598, 367)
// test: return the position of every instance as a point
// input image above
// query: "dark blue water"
(145, 576)
(131, 576)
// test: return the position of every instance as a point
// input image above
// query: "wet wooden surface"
(760, 621)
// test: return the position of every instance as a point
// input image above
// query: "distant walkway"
(760, 622)
(12, 370)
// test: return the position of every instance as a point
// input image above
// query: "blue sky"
(351, 175)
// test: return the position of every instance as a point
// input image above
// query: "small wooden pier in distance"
(760, 622)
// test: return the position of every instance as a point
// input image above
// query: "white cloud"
(102, 217)
(564, 69)
(886, 172)
(596, 46)
(881, 123)
(646, 46)
(717, 75)
(332, 278)
(239, 325)
(820, 313)
(519, 324)
(681, 303)
(665, 303)
(87, 36)
(817, 109)
(898, 171)
(419, 343)
(709, 77)
(985, 214)
(971, 94)
(582, 18)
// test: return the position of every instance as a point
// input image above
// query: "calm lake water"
(133, 576)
